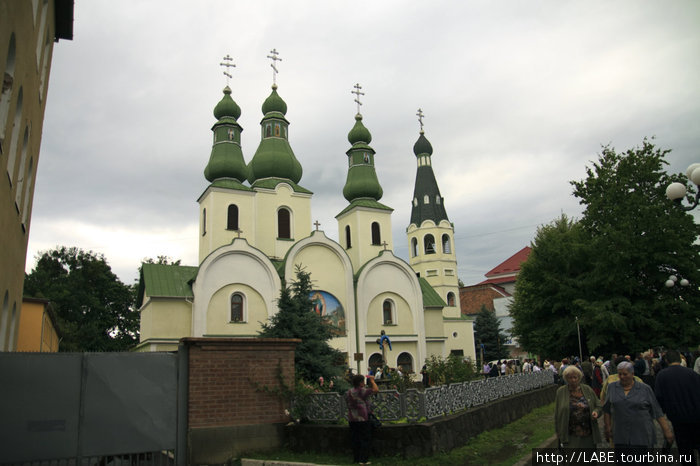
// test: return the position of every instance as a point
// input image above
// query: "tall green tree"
(608, 269)
(637, 238)
(93, 307)
(314, 357)
(487, 332)
(549, 289)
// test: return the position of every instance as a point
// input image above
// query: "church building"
(255, 229)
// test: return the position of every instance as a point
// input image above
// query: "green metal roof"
(166, 281)
(430, 297)
(271, 183)
(229, 183)
(369, 203)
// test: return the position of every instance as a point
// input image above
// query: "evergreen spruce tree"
(487, 331)
(314, 357)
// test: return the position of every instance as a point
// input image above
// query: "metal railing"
(431, 403)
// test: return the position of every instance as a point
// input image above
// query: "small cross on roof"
(420, 116)
(274, 57)
(358, 94)
(227, 64)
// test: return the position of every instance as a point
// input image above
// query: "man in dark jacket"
(678, 393)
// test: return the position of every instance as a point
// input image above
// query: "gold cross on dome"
(227, 63)
(358, 94)
(274, 59)
(317, 224)
(420, 119)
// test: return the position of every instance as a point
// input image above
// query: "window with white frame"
(388, 312)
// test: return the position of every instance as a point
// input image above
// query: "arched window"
(268, 130)
(437, 199)
(414, 247)
(204, 221)
(12, 154)
(376, 361)
(429, 244)
(21, 176)
(450, 299)
(388, 312)
(415, 201)
(28, 191)
(348, 242)
(426, 199)
(7, 87)
(405, 363)
(277, 129)
(232, 221)
(376, 236)
(284, 230)
(237, 308)
(446, 248)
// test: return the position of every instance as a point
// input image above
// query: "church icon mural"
(327, 306)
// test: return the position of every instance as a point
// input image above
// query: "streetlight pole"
(677, 191)
(578, 330)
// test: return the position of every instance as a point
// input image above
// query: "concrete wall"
(424, 439)
(227, 411)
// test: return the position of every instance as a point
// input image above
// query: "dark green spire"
(274, 157)
(427, 202)
(226, 160)
(362, 182)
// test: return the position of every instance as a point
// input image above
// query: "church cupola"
(427, 203)
(364, 226)
(274, 157)
(226, 160)
(362, 182)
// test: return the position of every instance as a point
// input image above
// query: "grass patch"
(504, 446)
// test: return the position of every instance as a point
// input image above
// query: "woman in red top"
(357, 399)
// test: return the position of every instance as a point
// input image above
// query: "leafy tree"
(637, 238)
(609, 268)
(93, 307)
(487, 332)
(314, 357)
(548, 289)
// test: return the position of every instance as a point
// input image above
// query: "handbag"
(374, 421)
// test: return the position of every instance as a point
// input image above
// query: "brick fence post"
(228, 413)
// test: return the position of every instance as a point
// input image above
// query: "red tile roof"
(512, 264)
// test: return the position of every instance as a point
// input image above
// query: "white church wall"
(268, 203)
(219, 315)
(388, 274)
(236, 263)
(331, 271)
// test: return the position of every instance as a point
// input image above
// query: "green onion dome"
(422, 146)
(274, 103)
(359, 133)
(227, 107)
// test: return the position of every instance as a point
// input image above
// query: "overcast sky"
(518, 96)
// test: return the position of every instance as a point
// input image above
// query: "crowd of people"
(628, 393)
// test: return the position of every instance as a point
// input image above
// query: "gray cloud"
(518, 97)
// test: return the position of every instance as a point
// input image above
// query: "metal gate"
(89, 408)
